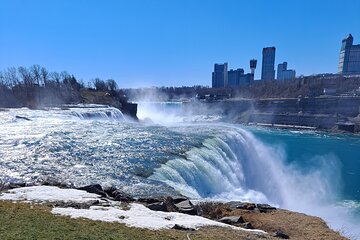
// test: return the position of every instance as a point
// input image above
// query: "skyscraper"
(268, 64)
(220, 75)
(234, 77)
(349, 63)
(283, 73)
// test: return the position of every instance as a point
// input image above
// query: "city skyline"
(176, 43)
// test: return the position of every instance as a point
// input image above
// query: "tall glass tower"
(268, 64)
(349, 62)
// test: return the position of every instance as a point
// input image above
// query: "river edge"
(278, 223)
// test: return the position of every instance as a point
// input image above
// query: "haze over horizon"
(173, 43)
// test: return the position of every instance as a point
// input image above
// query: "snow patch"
(137, 216)
(49, 194)
(142, 217)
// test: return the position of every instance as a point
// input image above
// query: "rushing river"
(195, 155)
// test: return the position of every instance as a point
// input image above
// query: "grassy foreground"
(26, 221)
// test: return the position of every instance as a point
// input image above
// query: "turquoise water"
(304, 148)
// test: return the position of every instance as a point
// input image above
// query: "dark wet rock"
(178, 199)
(186, 207)
(110, 191)
(232, 220)
(280, 234)
(246, 225)
(122, 196)
(263, 208)
(159, 206)
(94, 188)
(24, 118)
(246, 206)
(149, 200)
(179, 227)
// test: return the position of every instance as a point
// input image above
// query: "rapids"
(195, 155)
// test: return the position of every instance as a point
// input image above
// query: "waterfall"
(237, 166)
(105, 113)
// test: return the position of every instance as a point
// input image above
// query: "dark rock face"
(129, 109)
(232, 220)
(149, 200)
(280, 234)
(263, 208)
(110, 191)
(187, 207)
(24, 118)
(179, 227)
(246, 206)
(159, 206)
(121, 196)
(247, 225)
(178, 199)
(171, 204)
(94, 188)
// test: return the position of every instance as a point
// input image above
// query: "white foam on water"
(237, 166)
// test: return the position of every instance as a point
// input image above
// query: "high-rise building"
(234, 77)
(268, 64)
(220, 75)
(349, 63)
(285, 74)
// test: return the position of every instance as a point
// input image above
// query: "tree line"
(35, 86)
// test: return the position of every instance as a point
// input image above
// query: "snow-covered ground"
(49, 194)
(137, 216)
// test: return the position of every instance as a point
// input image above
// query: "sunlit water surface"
(196, 155)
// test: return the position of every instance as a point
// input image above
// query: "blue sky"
(172, 42)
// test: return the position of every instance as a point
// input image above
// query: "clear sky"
(172, 42)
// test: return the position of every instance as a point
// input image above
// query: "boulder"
(178, 199)
(94, 188)
(179, 227)
(186, 207)
(280, 234)
(232, 220)
(122, 197)
(246, 206)
(158, 206)
(110, 191)
(263, 208)
(247, 225)
(149, 200)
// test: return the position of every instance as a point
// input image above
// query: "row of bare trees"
(35, 85)
(35, 75)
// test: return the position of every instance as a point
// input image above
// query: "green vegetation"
(25, 221)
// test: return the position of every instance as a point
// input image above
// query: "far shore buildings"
(233, 78)
(349, 63)
(220, 75)
(283, 73)
(268, 64)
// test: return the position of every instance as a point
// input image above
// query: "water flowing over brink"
(236, 165)
(91, 144)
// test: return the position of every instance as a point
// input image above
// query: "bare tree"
(26, 77)
(99, 84)
(12, 77)
(111, 85)
(44, 75)
(36, 74)
(2, 81)
(55, 76)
